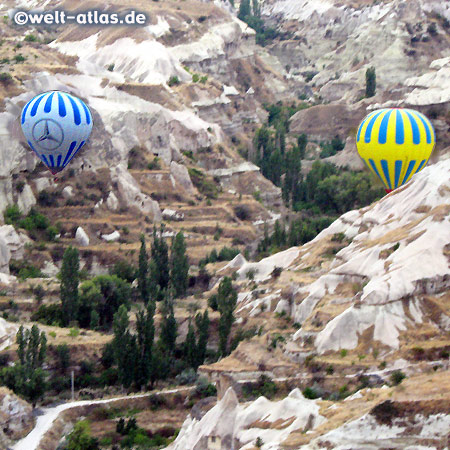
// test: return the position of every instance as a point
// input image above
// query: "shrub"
(155, 164)
(242, 212)
(195, 77)
(46, 198)
(397, 377)
(205, 185)
(74, 332)
(30, 38)
(344, 353)
(173, 81)
(385, 412)
(188, 376)
(250, 274)
(156, 401)
(48, 314)
(276, 272)
(12, 215)
(24, 269)
(19, 58)
(5, 77)
(204, 388)
(212, 302)
(432, 29)
(310, 393)
(111, 67)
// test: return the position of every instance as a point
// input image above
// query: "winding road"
(45, 421)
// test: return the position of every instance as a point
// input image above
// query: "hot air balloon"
(395, 144)
(56, 125)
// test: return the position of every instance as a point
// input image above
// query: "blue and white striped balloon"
(56, 125)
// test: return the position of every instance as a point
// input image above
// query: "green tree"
(256, 8)
(202, 325)
(143, 272)
(179, 266)
(145, 329)
(168, 332)
(63, 354)
(160, 273)
(120, 343)
(302, 142)
(69, 285)
(26, 377)
(80, 438)
(371, 82)
(226, 301)
(103, 294)
(244, 9)
(190, 347)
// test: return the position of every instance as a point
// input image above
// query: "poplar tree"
(160, 275)
(202, 324)
(190, 347)
(143, 272)
(69, 285)
(244, 9)
(371, 82)
(179, 265)
(168, 332)
(226, 301)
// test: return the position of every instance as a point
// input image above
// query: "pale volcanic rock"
(181, 177)
(15, 241)
(112, 202)
(26, 199)
(131, 195)
(398, 247)
(16, 415)
(234, 425)
(8, 332)
(81, 237)
(112, 237)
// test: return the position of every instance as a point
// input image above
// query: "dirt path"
(45, 420)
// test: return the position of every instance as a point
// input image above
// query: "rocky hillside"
(176, 104)
(375, 281)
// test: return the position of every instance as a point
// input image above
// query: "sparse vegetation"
(371, 83)
(173, 81)
(397, 377)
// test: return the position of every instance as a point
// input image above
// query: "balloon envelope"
(395, 144)
(56, 125)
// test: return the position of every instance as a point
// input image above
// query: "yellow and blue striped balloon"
(395, 144)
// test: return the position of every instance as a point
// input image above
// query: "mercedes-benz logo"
(48, 134)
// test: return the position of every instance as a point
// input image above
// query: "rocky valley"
(308, 315)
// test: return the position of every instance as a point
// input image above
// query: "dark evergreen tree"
(168, 332)
(371, 82)
(179, 266)
(202, 325)
(226, 301)
(63, 354)
(302, 141)
(244, 9)
(145, 329)
(256, 8)
(143, 272)
(160, 274)
(190, 347)
(26, 377)
(69, 285)
(120, 344)
(103, 294)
